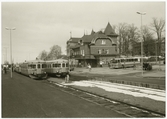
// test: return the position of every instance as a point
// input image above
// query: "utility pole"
(10, 29)
(141, 41)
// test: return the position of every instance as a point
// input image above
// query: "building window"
(103, 51)
(107, 51)
(99, 51)
(103, 42)
(83, 53)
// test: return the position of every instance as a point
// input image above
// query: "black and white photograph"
(83, 59)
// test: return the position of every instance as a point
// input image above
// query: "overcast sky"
(40, 25)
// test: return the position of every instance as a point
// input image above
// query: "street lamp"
(10, 29)
(140, 13)
(5, 54)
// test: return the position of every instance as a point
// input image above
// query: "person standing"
(5, 70)
(89, 66)
(109, 64)
(67, 77)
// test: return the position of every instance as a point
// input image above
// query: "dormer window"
(103, 42)
(81, 43)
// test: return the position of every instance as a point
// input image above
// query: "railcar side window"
(43, 65)
(34, 66)
(59, 65)
(56, 65)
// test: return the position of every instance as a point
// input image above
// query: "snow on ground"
(136, 91)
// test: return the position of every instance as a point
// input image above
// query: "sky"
(40, 25)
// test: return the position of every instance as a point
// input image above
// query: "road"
(24, 97)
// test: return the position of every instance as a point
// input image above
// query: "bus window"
(63, 64)
(114, 61)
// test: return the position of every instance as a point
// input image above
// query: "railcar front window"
(63, 65)
(67, 65)
(38, 66)
(43, 65)
(29, 66)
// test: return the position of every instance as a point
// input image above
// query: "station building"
(98, 47)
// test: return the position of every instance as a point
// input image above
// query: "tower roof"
(109, 30)
(92, 32)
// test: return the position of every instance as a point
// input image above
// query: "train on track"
(39, 69)
(34, 69)
(58, 67)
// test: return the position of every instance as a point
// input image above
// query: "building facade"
(98, 47)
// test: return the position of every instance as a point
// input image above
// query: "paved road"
(24, 97)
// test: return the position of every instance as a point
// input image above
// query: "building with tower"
(98, 47)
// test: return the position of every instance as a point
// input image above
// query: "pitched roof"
(109, 30)
(87, 38)
(73, 40)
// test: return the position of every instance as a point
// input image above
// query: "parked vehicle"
(147, 66)
(126, 62)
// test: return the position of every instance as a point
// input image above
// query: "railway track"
(119, 107)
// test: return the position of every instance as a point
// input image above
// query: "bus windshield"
(115, 61)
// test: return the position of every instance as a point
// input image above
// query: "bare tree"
(158, 27)
(128, 36)
(132, 38)
(121, 29)
(43, 55)
(55, 51)
(148, 43)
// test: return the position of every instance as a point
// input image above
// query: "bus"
(126, 62)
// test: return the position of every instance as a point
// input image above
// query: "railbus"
(34, 69)
(58, 67)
